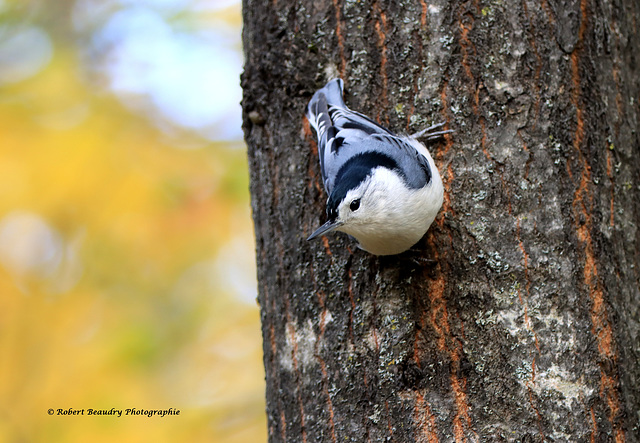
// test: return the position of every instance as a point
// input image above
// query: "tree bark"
(526, 325)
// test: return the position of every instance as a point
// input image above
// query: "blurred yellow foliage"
(117, 252)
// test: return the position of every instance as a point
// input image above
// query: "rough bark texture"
(527, 327)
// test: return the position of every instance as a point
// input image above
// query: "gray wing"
(322, 105)
(343, 134)
(412, 165)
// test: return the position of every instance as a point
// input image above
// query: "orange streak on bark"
(549, 11)
(462, 406)
(416, 348)
(425, 421)
(466, 46)
(610, 384)
(601, 327)
(533, 371)
(526, 149)
(343, 60)
(538, 415)
(525, 259)
(323, 366)
(283, 426)
(439, 315)
(381, 31)
(476, 98)
(308, 135)
(483, 140)
(594, 427)
(441, 325)
(423, 16)
(376, 340)
(313, 181)
(458, 432)
(325, 243)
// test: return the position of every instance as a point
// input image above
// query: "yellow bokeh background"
(126, 269)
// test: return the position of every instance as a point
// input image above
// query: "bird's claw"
(431, 132)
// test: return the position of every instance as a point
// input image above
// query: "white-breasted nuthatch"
(384, 189)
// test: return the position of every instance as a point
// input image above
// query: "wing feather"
(343, 134)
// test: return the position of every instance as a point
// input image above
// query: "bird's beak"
(327, 227)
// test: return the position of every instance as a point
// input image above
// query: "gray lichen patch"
(299, 351)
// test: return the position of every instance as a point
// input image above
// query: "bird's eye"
(355, 204)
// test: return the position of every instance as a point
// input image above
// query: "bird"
(383, 189)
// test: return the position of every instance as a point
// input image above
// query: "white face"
(376, 207)
(353, 210)
(363, 208)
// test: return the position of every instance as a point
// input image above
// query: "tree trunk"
(526, 324)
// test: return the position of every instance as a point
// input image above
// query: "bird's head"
(363, 207)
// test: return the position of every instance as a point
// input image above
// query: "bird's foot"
(432, 132)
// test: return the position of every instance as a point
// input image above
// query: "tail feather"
(337, 126)
(333, 93)
(318, 109)
(320, 119)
